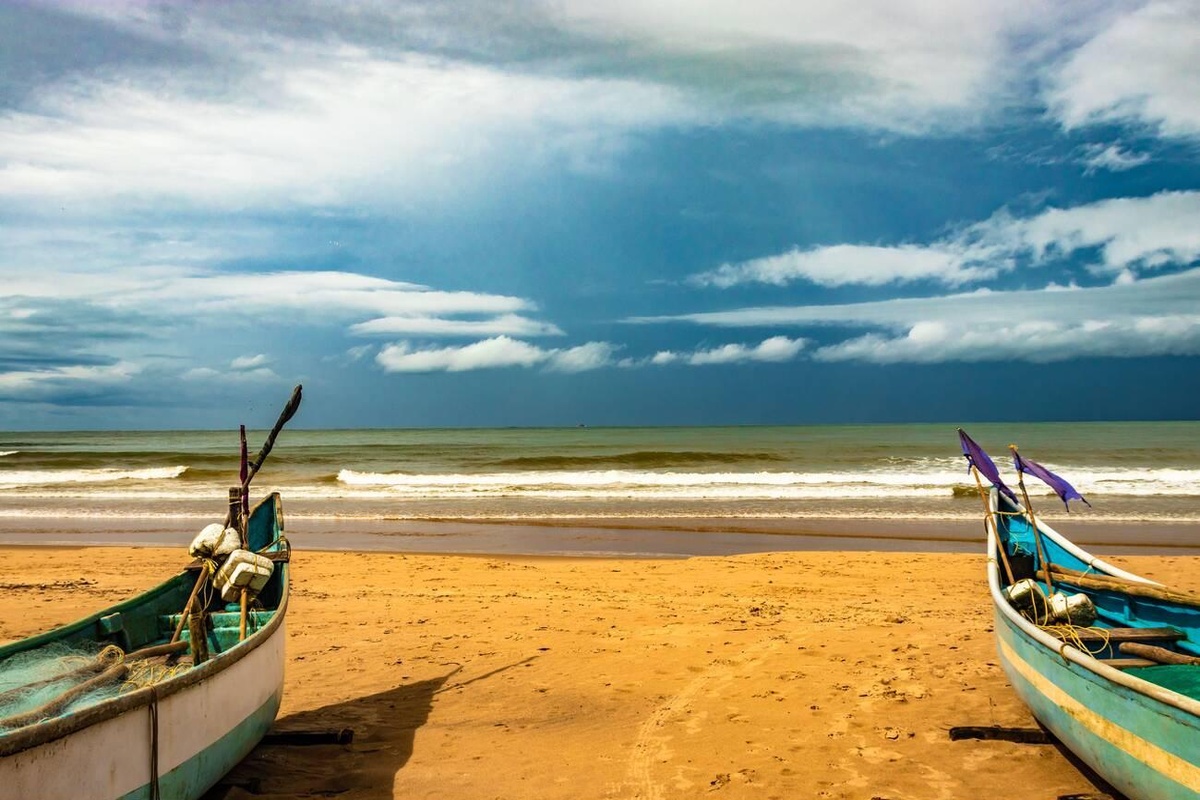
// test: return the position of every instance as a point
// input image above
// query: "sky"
(463, 213)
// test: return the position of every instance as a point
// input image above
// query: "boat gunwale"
(40, 733)
(1068, 651)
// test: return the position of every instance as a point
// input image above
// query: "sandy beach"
(832, 675)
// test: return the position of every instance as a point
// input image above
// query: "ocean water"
(1130, 471)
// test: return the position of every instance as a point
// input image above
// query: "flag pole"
(989, 518)
(1037, 532)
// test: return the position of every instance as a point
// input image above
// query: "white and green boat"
(158, 696)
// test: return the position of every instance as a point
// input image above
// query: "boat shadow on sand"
(384, 728)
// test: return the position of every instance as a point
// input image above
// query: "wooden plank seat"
(1090, 635)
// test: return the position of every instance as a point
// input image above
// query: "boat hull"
(177, 737)
(203, 730)
(1145, 748)
(1142, 738)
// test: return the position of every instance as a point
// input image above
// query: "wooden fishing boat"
(175, 737)
(161, 695)
(1122, 691)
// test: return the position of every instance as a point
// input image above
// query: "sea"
(749, 479)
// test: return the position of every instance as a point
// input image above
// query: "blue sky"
(463, 213)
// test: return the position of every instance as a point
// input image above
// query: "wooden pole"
(1112, 583)
(198, 638)
(242, 625)
(288, 412)
(188, 606)
(1037, 533)
(1160, 654)
(990, 519)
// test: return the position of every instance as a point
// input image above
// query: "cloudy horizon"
(525, 213)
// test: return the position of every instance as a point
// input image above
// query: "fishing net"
(59, 679)
(1181, 678)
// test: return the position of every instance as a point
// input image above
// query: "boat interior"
(1142, 629)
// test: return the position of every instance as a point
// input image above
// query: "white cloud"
(1138, 234)
(35, 384)
(592, 355)
(247, 363)
(839, 265)
(505, 324)
(900, 66)
(775, 349)
(328, 127)
(1036, 341)
(1141, 68)
(317, 121)
(1111, 157)
(235, 374)
(137, 311)
(1152, 316)
(1131, 234)
(500, 351)
(494, 353)
(179, 293)
(201, 374)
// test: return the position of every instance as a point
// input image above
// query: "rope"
(148, 673)
(154, 793)
(1069, 635)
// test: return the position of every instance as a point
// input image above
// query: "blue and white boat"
(161, 695)
(1112, 670)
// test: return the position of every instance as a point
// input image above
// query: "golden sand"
(798, 675)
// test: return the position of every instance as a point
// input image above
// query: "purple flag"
(981, 461)
(1063, 489)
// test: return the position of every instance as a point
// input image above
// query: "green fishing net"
(1181, 678)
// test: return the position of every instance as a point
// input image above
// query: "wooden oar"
(288, 412)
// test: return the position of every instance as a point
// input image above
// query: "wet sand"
(776, 675)
(605, 537)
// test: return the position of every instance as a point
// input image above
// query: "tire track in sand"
(651, 744)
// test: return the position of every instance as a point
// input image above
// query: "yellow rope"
(148, 673)
(1069, 634)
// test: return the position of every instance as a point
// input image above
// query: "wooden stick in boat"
(187, 608)
(51, 709)
(1037, 533)
(197, 638)
(1160, 654)
(242, 623)
(1112, 583)
(154, 651)
(990, 519)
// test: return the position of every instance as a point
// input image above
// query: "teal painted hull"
(1109, 721)
(1142, 737)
